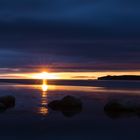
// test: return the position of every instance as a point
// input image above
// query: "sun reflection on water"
(44, 85)
(43, 110)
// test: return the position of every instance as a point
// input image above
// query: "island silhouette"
(122, 77)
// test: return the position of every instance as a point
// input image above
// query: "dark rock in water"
(69, 105)
(7, 101)
(114, 106)
(2, 107)
(55, 105)
(125, 108)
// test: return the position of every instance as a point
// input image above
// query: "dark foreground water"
(31, 119)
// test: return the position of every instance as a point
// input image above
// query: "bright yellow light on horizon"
(66, 75)
(45, 75)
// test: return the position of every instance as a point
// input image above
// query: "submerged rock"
(69, 105)
(120, 108)
(7, 102)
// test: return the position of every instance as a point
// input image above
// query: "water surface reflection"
(43, 110)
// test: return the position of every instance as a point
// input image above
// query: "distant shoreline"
(49, 82)
(72, 82)
(91, 83)
(122, 77)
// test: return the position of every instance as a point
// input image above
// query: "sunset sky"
(71, 39)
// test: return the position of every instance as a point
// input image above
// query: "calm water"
(30, 118)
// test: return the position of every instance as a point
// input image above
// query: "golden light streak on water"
(43, 110)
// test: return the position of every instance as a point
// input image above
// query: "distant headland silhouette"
(122, 77)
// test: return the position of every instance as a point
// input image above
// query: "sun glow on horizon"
(45, 75)
(65, 75)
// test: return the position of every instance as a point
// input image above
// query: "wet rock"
(122, 108)
(69, 105)
(7, 101)
(55, 105)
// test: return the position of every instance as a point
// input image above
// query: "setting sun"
(45, 75)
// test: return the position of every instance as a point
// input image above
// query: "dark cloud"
(70, 55)
(74, 32)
